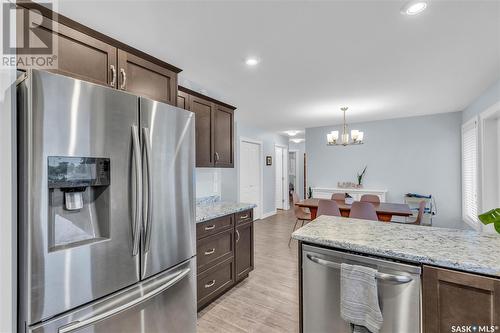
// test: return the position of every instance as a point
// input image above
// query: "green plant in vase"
(360, 176)
(491, 216)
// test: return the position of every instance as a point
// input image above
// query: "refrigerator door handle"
(93, 318)
(138, 191)
(149, 208)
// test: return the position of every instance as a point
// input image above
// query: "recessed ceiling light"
(414, 7)
(292, 133)
(251, 61)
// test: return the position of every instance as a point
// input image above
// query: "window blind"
(470, 172)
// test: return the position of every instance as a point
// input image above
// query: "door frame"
(297, 173)
(284, 171)
(261, 171)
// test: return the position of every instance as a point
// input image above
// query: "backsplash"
(208, 182)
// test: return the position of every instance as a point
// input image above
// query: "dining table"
(385, 210)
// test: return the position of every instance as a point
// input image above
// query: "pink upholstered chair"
(370, 198)
(328, 207)
(420, 214)
(300, 214)
(338, 196)
(363, 210)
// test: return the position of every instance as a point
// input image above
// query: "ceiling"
(315, 56)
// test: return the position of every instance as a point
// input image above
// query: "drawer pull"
(210, 284)
(210, 227)
(244, 217)
(209, 252)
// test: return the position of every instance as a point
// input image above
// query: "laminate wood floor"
(266, 301)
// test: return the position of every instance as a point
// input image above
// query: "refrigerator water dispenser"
(78, 200)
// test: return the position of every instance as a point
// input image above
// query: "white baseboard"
(271, 213)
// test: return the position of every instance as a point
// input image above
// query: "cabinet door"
(78, 55)
(452, 298)
(244, 250)
(203, 110)
(144, 78)
(223, 137)
(182, 100)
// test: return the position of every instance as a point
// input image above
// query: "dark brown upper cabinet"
(144, 78)
(78, 55)
(223, 136)
(183, 100)
(452, 298)
(214, 128)
(86, 54)
(203, 111)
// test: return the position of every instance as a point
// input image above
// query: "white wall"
(418, 154)
(230, 189)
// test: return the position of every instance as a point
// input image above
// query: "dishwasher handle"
(380, 276)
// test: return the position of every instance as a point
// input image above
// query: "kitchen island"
(460, 268)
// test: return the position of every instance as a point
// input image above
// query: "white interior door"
(279, 177)
(250, 169)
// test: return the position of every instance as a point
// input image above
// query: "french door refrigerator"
(106, 210)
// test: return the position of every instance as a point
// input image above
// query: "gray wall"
(301, 147)
(485, 100)
(417, 154)
(230, 190)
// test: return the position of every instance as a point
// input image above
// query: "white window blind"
(470, 172)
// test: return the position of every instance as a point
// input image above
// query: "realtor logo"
(27, 39)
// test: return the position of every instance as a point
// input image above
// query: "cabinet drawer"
(211, 227)
(215, 281)
(214, 249)
(244, 216)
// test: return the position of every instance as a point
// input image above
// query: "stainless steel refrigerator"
(106, 210)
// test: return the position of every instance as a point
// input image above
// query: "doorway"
(281, 168)
(294, 173)
(251, 177)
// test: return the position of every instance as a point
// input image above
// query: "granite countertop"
(464, 250)
(211, 210)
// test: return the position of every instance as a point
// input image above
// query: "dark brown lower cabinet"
(452, 300)
(224, 253)
(244, 250)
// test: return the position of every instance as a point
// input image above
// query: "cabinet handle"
(113, 75)
(210, 227)
(244, 217)
(237, 236)
(210, 284)
(209, 252)
(217, 156)
(124, 80)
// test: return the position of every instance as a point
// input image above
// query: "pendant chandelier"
(332, 138)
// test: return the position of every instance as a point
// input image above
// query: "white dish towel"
(359, 298)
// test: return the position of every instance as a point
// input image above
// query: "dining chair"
(300, 214)
(363, 210)
(328, 207)
(420, 214)
(338, 196)
(370, 198)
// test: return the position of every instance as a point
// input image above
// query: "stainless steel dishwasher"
(399, 292)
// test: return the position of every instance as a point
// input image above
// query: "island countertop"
(465, 250)
(212, 210)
